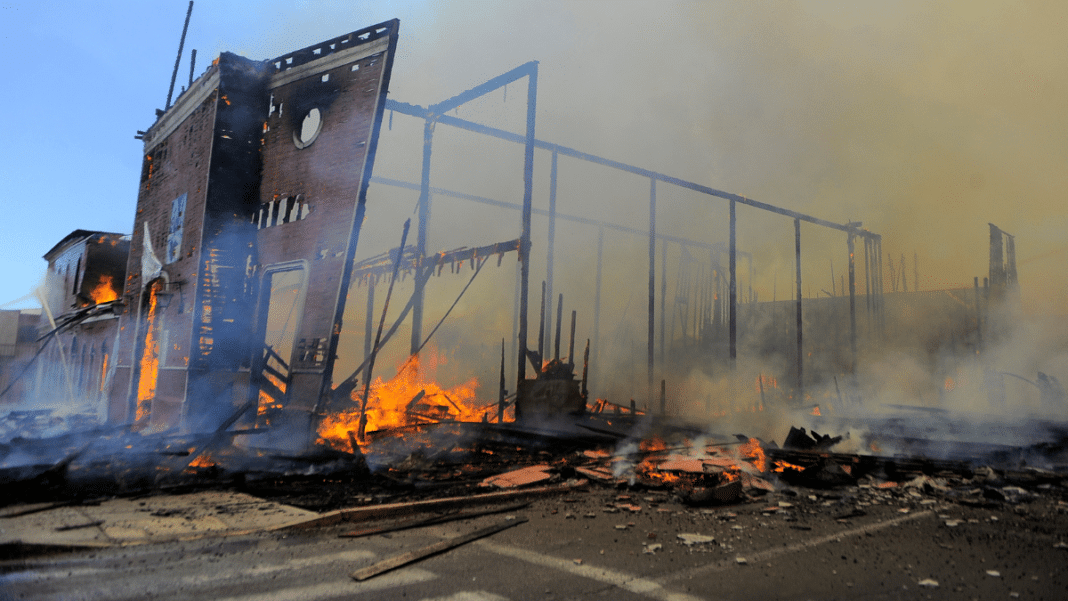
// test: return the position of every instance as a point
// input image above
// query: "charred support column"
(663, 298)
(501, 393)
(852, 300)
(192, 66)
(597, 302)
(652, 285)
(369, 327)
(559, 318)
(541, 326)
(528, 188)
(800, 353)
(867, 274)
(552, 241)
(420, 244)
(439, 112)
(571, 345)
(732, 294)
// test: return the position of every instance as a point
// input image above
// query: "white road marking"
(289, 565)
(469, 596)
(628, 582)
(338, 588)
(776, 551)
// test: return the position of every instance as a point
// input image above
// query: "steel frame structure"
(435, 114)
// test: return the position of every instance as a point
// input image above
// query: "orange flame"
(816, 410)
(105, 291)
(754, 453)
(394, 404)
(950, 384)
(203, 460)
(782, 466)
(769, 382)
(146, 383)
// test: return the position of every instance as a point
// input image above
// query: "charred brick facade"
(246, 214)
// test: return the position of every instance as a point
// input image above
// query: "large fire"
(146, 383)
(406, 400)
(104, 292)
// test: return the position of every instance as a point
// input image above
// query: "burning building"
(237, 272)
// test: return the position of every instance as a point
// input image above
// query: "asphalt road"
(843, 544)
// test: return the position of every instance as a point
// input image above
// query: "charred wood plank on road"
(413, 556)
(438, 519)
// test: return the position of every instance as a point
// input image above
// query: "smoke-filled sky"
(924, 120)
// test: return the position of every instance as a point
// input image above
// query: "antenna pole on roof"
(181, 45)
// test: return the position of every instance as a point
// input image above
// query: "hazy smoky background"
(923, 122)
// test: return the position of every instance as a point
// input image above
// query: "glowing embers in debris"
(104, 292)
(203, 461)
(693, 464)
(409, 399)
(781, 466)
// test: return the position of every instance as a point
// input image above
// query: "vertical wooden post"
(541, 326)
(852, 300)
(559, 318)
(369, 326)
(524, 243)
(549, 260)
(597, 301)
(663, 299)
(571, 345)
(800, 348)
(421, 236)
(663, 397)
(502, 393)
(732, 315)
(586, 371)
(652, 285)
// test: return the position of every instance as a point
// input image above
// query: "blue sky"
(924, 121)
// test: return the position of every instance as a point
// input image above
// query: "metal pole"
(369, 326)
(420, 242)
(552, 241)
(192, 66)
(597, 303)
(524, 244)
(733, 293)
(502, 393)
(571, 345)
(663, 298)
(541, 327)
(652, 284)
(852, 301)
(800, 352)
(559, 318)
(181, 45)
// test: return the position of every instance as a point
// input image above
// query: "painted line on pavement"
(627, 582)
(759, 556)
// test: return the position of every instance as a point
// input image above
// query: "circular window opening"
(309, 129)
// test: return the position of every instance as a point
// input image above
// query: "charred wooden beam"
(800, 349)
(383, 264)
(559, 318)
(552, 237)
(733, 294)
(571, 344)
(652, 286)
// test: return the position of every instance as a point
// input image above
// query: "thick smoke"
(905, 117)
